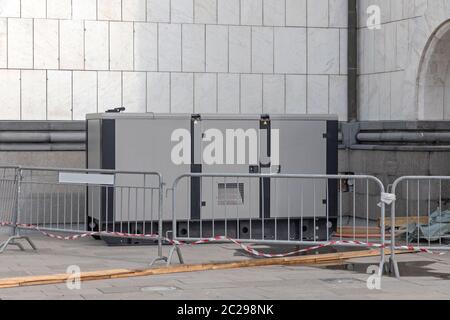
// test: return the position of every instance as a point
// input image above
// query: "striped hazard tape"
(420, 249)
(252, 251)
(248, 248)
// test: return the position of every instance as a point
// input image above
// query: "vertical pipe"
(352, 60)
(440, 212)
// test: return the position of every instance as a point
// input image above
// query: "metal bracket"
(174, 248)
(12, 242)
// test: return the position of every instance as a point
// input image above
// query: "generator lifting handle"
(116, 110)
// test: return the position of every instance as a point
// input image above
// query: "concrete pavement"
(425, 276)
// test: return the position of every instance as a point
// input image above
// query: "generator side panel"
(146, 145)
(230, 197)
(302, 150)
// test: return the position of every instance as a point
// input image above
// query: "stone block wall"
(61, 59)
(393, 60)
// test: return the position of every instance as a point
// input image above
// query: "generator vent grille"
(231, 194)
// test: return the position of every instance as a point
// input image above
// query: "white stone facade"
(404, 67)
(61, 59)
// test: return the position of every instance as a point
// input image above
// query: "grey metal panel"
(144, 144)
(210, 187)
(302, 151)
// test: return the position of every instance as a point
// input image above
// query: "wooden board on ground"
(401, 222)
(126, 273)
(358, 232)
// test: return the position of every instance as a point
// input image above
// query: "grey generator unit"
(307, 144)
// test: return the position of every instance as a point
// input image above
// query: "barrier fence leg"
(382, 265)
(393, 266)
(15, 235)
(161, 256)
(12, 242)
(179, 254)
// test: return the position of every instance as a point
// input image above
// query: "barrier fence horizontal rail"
(420, 215)
(106, 203)
(281, 209)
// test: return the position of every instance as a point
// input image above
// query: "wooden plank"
(358, 230)
(359, 236)
(403, 221)
(125, 273)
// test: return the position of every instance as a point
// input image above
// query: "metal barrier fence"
(296, 209)
(420, 215)
(279, 209)
(8, 192)
(9, 203)
(110, 204)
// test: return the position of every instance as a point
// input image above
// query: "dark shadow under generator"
(285, 144)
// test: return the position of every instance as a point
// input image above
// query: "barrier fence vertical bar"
(238, 227)
(314, 210)
(301, 210)
(367, 210)
(429, 210)
(392, 260)
(160, 256)
(275, 207)
(327, 221)
(15, 231)
(160, 218)
(288, 211)
(213, 232)
(418, 212)
(174, 225)
(354, 209)
(107, 210)
(383, 236)
(340, 210)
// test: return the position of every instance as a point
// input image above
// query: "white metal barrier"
(278, 209)
(81, 202)
(273, 209)
(9, 190)
(420, 215)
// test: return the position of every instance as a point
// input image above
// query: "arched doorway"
(433, 83)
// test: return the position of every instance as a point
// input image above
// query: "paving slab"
(425, 276)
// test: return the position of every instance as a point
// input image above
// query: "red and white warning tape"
(251, 250)
(412, 248)
(247, 248)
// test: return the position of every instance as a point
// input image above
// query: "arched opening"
(433, 83)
